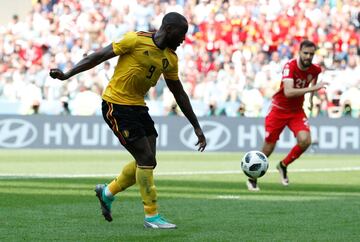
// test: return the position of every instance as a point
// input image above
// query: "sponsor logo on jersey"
(125, 133)
(165, 63)
(286, 72)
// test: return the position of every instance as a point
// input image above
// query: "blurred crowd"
(230, 63)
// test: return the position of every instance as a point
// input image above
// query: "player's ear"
(168, 28)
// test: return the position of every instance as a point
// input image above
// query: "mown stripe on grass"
(176, 173)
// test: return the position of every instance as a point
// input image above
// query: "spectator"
(86, 101)
(228, 42)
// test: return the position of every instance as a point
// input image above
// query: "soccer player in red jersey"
(299, 76)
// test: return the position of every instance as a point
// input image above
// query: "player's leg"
(303, 139)
(156, 221)
(125, 179)
(106, 193)
(268, 148)
(274, 125)
(120, 119)
(144, 171)
(299, 126)
(143, 152)
(101, 190)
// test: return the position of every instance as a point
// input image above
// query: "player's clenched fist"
(57, 74)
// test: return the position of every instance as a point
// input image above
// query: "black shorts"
(129, 123)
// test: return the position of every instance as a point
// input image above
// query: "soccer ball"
(254, 164)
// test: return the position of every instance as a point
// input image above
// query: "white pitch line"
(180, 173)
(356, 168)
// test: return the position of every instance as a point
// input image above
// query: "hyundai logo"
(16, 133)
(217, 135)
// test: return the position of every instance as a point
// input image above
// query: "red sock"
(295, 152)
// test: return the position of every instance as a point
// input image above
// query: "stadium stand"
(230, 63)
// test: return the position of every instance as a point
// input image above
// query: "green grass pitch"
(48, 196)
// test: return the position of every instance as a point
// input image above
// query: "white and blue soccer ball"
(254, 164)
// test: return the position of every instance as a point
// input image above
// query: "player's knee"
(148, 160)
(304, 143)
(268, 148)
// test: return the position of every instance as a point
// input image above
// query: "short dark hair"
(173, 18)
(307, 43)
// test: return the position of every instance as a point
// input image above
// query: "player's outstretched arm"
(290, 91)
(183, 101)
(85, 64)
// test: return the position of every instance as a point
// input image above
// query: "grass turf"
(317, 206)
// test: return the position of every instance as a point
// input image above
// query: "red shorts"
(277, 119)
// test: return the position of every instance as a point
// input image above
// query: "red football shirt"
(302, 79)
